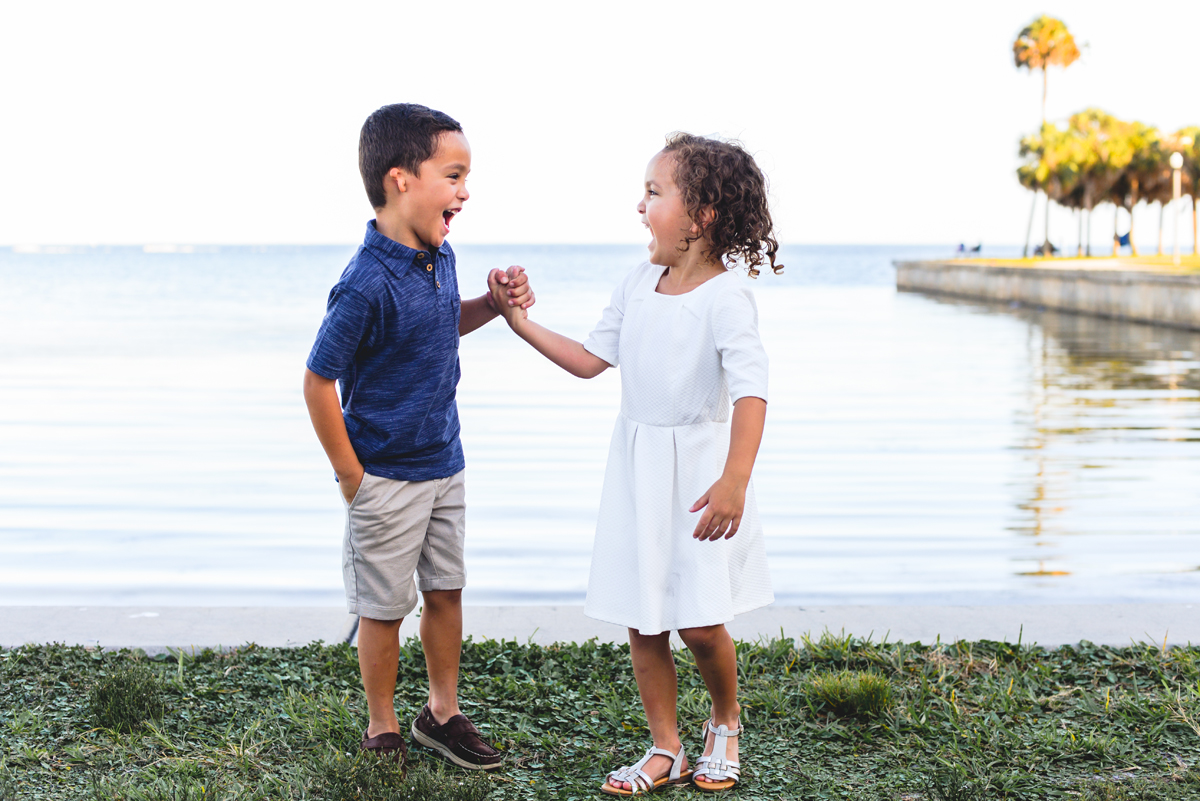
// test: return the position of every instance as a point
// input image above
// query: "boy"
(390, 335)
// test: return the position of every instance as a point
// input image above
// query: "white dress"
(684, 359)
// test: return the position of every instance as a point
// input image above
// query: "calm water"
(155, 448)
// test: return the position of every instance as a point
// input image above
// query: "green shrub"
(127, 698)
(851, 693)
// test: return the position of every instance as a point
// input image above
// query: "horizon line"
(182, 247)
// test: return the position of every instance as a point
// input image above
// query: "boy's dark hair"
(722, 175)
(402, 135)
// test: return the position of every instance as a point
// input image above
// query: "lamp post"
(1177, 187)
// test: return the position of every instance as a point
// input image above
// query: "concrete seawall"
(157, 629)
(1102, 288)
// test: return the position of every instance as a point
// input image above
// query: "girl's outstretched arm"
(726, 499)
(563, 351)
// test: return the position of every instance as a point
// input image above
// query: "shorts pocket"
(360, 492)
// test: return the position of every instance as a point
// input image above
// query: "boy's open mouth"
(447, 216)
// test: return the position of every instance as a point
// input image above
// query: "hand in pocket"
(350, 484)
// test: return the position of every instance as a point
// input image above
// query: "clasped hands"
(509, 292)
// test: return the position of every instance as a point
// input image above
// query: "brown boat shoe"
(387, 745)
(457, 740)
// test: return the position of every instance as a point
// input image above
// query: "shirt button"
(428, 268)
(420, 257)
(439, 284)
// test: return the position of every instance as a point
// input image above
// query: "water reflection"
(918, 450)
(1111, 438)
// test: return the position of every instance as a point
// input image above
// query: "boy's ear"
(396, 179)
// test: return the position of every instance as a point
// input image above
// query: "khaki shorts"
(396, 528)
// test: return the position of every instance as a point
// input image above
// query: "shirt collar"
(393, 249)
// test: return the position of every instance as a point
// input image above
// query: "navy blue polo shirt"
(390, 337)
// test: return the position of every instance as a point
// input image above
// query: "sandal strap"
(676, 761)
(722, 731)
(633, 776)
(639, 779)
(717, 765)
(718, 772)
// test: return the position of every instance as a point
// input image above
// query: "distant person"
(390, 336)
(684, 328)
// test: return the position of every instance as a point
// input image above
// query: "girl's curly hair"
(722, 175)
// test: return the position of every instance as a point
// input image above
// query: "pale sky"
(237, 122)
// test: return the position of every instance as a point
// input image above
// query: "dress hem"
(750, 607)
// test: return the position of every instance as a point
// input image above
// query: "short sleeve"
(735, 329)
(347, 318)
(605, 339)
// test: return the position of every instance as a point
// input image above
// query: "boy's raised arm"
(479, 311)
(563, 351)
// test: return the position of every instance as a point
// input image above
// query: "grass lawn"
(833, 718)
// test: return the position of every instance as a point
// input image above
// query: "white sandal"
(640, 781)
(723, 773)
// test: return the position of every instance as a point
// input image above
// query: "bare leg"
(378, 659)
(712, 647)
(441, 639)
(654, 669)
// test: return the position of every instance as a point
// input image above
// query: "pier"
(1143, 291)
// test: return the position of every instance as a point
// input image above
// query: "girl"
(677, 487)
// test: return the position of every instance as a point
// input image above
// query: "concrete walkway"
(157, 628)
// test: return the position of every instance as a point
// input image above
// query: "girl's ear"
(706, 218)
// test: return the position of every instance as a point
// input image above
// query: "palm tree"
(1146, 157)
(1160, 188)
(1043, 43)
(1076, 202)
(1104, 153)
(1157, 184)
(1054, 157)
